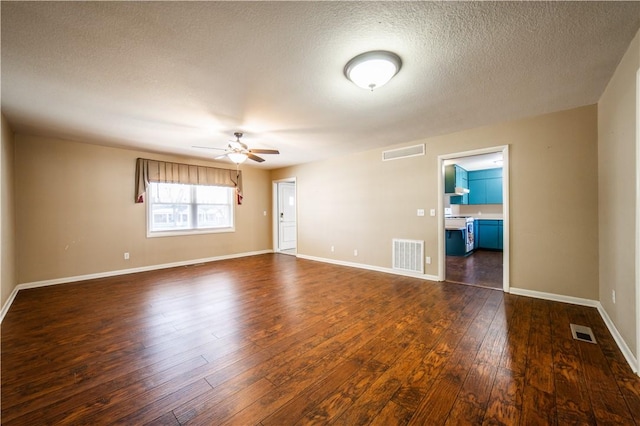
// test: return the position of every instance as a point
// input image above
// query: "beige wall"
(7, 213)
(359, 202)
(617, 120)
(76, 213)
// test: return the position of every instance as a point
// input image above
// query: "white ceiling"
(164, 76)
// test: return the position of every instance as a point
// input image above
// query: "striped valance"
(165, 172)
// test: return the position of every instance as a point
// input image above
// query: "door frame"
(274, 204)
(506, 247)
(637, 237)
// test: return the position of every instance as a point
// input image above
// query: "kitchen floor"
(482, 268)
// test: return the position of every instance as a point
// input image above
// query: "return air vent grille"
(409, 151)
(407, 255)
(583, 333)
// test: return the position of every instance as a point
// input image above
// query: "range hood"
(458, 190)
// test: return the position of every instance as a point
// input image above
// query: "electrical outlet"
(264, 213)
(428, 260)
(126, 256)
(355, 252)
(613, 296)
(333, 249)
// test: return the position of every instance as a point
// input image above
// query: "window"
(176, 209)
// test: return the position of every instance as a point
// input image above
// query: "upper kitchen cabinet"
(485, 186)
(456, 177)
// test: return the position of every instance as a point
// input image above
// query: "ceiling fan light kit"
(237, 157)
(238, 152)
(371, 70)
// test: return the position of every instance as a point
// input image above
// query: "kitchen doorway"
(473, 232)
(285, 222)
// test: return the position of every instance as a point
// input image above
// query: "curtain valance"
(165, 172)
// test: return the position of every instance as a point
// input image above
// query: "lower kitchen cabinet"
(455, 243)
(489, 234)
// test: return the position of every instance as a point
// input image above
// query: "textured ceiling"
(164, 76)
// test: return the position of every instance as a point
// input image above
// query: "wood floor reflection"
(482, 268)
(276, 340)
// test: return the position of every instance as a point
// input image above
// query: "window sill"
(157, 234)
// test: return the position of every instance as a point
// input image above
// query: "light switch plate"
(420, 212)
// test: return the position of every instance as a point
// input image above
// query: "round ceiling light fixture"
(374, 69)
(237, 157)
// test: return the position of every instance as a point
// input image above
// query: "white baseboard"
(622, 345)
(44, 283)
(554, 297)
(369, 267)
(628, 355)
(7, 304)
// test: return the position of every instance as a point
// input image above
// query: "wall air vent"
(406, 152)
(408, 255)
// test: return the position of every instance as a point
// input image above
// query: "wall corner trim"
(622, 345)
(45, 283)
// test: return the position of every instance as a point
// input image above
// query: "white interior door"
(286, 215)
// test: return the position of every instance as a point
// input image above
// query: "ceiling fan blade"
(220, 157)
(208, 147)
(264, 151)
(255, 157)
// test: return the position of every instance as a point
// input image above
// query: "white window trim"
(180, 233)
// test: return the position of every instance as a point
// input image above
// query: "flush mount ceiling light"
(374, 69)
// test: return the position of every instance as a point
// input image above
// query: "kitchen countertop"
(482, 217)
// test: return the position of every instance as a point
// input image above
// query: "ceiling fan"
(238, 151)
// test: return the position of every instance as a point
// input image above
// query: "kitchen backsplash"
(488, 211)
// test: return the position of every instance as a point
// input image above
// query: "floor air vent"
(582, 333)
(408, 255)
(409, 151)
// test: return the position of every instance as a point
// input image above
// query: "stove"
(463, 224)
(457, 222)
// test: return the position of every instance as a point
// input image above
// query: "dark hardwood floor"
(275, 340)
(482, 268)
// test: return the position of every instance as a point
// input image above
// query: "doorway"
(482, 262)
(285, 225)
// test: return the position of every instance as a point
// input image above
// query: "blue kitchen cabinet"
(454, 176)
(494, 190)
(455, 243)
(489, 233)
(477, 191)
(485, 186)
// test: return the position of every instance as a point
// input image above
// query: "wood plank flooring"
(275, 340)
(482, 268)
